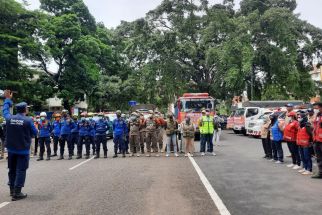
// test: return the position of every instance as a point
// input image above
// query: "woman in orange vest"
(304, 140)
(290, 134)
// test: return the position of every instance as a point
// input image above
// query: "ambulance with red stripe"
(191, 104)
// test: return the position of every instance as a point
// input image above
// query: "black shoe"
(123, 156)
(96, 156)
(70, 157)
(115, 156)
(12, 191)
(78, 157)
(54, 155)
(61, 158)
(18, 195)
(127, 152)
(317, 176)
(105, 154)
(86, 156)
(40, 159)
(48, 158)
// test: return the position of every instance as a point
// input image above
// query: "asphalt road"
(246, 184)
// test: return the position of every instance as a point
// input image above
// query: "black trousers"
(44, 141)
(267, 146)
(65, 138)
(56, 141)
(318, 152)
(17, 165)
(101, 139)
(295, 153)
(83, 140)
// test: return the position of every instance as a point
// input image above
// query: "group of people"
(302, 131)
(144, 135)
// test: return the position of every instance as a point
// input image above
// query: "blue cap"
(21, 106)
(289, 105)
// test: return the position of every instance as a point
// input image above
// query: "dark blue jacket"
(92, 128)
(44, 129)
(66, 127)
(75, 129)
(56, 128)
(19, 129)
(119, 127)
(83, 128)
(101, 127)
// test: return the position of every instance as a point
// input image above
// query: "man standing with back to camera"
(20, 130)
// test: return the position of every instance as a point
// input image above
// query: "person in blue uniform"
(119, 131)
(91, 137)
(19, 131)
(74, 135)
(67, 124)
(56, 132)
(45, 128)
(101, 127)
(84, 129)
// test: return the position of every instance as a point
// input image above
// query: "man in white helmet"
(45, 129)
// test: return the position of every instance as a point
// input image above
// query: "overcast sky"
(111, 12)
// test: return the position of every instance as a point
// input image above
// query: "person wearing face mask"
(188, 133)
(171, 127)
(34, 147)
(317, 138)
(84, 129)
(56, 132)
(101, 127)
(142, 130)
(92, 132)
(277, 138)
(74, 135)
(151, 135)
(304, 137)
(160, 130)
(44, 136)
(119, 130)
(206, 126)
(134, 125)
(290, 135)
(67, 124)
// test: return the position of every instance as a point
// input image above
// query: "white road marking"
(78, 165)
(4, 204)
(214, 196)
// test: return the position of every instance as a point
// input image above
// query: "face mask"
(37, 120)
(42, 118)
(300, 119)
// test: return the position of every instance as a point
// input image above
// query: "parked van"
(244, 115)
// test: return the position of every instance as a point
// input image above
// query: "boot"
(317, 176)
(97, 156)
(115, 156)
(123, 155)
(61, 157)
(54, 155)
(48, 158)
(40, 158)
(70, 157)
(18, 195)
(105, 154)
(79, 156)
(12, 191)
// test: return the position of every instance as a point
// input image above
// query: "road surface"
(245, 184)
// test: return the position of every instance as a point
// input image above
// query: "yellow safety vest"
(207, 125)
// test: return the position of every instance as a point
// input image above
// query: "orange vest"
(290, 131)
(303, 138)
(317, 133)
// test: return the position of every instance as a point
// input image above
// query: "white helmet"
(43, 114)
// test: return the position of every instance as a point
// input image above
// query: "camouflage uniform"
(134, 135)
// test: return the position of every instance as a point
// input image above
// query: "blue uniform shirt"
(19, 129)
(119, 127)
(66, 127)
(101, 127)
(56, 128)
(44, 128)
(92, 128)
(83, 128)
(75, 129)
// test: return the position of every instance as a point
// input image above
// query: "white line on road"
(4, 204)
(74, 167)
(217, 200)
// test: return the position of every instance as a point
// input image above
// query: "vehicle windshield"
(196, 105)
(265, 114)
(240, 112)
